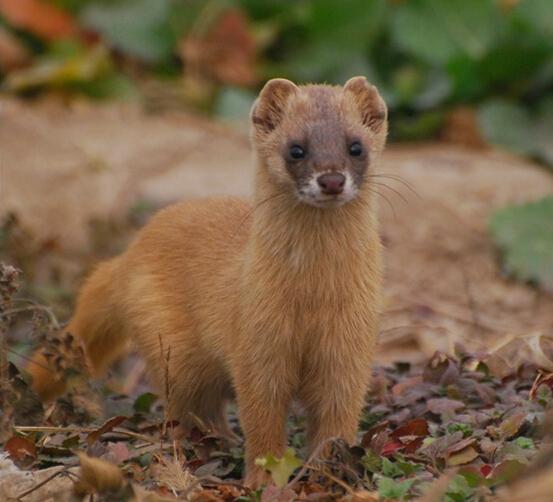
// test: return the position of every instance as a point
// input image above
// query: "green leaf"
(512, 126)
(392, 489)
(372, 461)
(524, 443)
(334, 42)
(138, 27)
(144, 402)
(525, 236)
(280, 468)
(537, 14)
(507, 124)
(466, 429)
(459, 490)
(389, 469)
(436, 31)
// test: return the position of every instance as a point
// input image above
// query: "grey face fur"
(319, 140)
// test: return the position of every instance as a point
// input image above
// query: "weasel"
(266, 303)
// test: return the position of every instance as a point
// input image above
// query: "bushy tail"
(96, 324)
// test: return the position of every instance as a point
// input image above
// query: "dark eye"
(297, 152)
(355, 149)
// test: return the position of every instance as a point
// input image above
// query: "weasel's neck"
(295, 235)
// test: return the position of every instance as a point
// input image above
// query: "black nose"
(332, 183)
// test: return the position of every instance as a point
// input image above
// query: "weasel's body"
(270, 303)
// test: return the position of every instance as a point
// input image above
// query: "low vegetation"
(461, 426)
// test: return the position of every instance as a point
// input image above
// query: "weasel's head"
(319, 142)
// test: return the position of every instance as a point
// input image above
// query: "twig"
(42, 483)
(312, 457)
(82, 430)
(34, 306)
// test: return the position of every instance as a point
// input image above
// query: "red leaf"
(391, 447)
(415, 427)
(441, 369)
(107, 426)
(22, 451)
(40, 18)
(375, 429)
(485, 470)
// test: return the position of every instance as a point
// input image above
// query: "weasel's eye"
(355, 149)
(297, 152)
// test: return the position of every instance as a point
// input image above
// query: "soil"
(64, 166)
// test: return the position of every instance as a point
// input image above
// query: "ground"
(81, 177)
(64, 166)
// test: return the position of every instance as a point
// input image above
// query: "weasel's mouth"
(322, 200)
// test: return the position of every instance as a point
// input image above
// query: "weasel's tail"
(97, 324)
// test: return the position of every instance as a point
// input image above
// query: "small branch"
(42, 483)
(83, 430)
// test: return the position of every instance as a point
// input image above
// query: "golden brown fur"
(271, 303)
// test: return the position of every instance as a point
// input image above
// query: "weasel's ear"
(269, 107)
(369, 102)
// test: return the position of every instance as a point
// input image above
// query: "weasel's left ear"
(370, 104)
(269, 108)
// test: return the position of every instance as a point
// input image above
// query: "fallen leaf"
(391, 447)
(98, 475)
(277, 494)
(444, 407)
(415, 427)
(107, 426)
(464, 456)
(280, 468)
(119, 452)
(441, 370)
(22, 451)
(511, 425)
(486, 469)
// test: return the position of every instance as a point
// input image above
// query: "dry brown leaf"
(170, 473)
(107, 426)
(513, 350)
(226, 52)
(462, 457)
(22, 451)
(40, 18)
(98, 475)
(511, 425)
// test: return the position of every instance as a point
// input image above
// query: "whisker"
(397, 192)
(399, 179)
(255, 207)
(387, 201)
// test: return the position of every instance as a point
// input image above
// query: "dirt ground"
(63, 166)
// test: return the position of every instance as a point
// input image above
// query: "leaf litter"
(460, 425)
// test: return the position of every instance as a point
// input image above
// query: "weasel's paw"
(256, 478)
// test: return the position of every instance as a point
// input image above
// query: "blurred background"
(111, 109)
(469, 71)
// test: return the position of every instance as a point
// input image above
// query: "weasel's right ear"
(269, 107)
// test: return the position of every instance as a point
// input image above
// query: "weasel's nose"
(332, 183)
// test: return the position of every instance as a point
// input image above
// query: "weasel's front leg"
(263, 391)
(334, 395)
